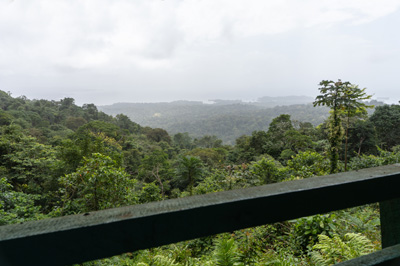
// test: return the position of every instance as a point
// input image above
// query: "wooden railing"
(84, 237)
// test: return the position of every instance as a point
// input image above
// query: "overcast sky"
(108, 51)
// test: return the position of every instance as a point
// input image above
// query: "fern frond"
(333, 250)
(358, 245)
(160, 260)
(226, 253)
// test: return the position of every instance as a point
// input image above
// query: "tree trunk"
(155, 174)
(346, 141)
(359, 148)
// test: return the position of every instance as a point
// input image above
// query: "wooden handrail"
(84, 237)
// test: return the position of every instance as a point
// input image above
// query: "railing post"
(390, 222)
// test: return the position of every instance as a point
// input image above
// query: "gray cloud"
(111, 51)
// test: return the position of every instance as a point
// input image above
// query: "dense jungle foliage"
(58, 158)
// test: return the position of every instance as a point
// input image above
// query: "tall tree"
(332, 95)
(344, 99)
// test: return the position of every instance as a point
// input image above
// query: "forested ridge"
(227, 120)
(58, 158)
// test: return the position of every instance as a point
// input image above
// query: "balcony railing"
(84, 237)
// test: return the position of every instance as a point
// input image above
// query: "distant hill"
(225, 119)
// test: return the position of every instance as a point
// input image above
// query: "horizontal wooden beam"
(78, 238)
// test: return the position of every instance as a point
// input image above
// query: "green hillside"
(227, 120)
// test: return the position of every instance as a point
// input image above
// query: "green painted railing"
(84, 237)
